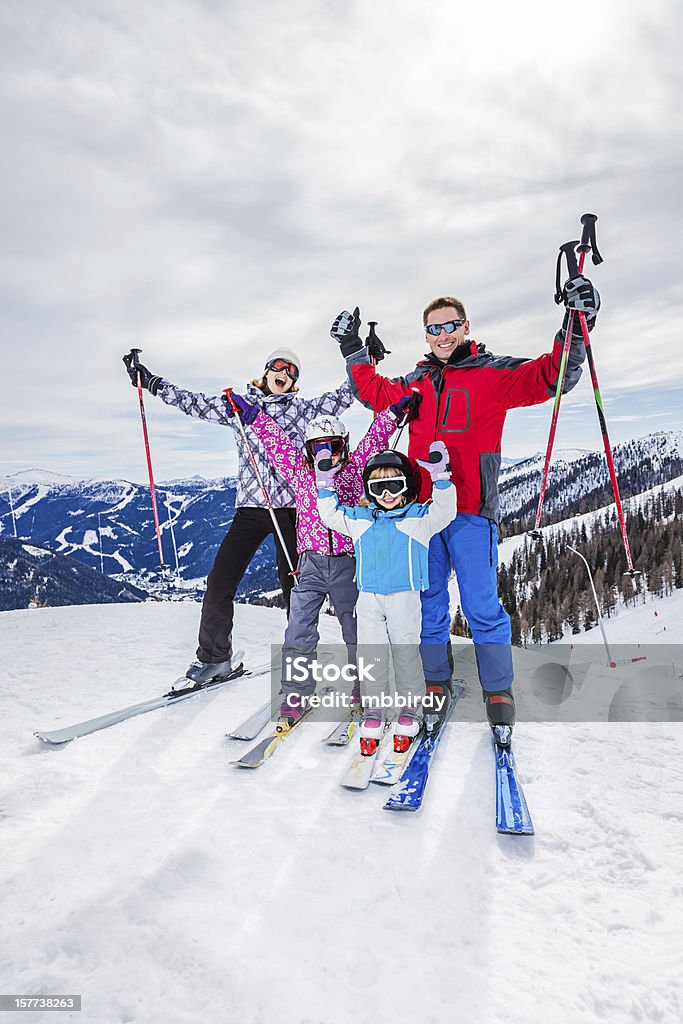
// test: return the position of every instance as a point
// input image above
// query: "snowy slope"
(144, 872)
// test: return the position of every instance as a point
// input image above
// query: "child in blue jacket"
(391, 541)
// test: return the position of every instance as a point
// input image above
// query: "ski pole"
(276, 526)
(588, 242)
(574, 270)
(404, 421)
(135, 352)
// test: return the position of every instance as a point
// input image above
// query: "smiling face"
(386, 500)
(444, 345)
(278, 382)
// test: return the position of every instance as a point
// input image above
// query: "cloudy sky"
(206, 180)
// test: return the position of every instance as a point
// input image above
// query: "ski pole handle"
(231, 401)
(588, 242)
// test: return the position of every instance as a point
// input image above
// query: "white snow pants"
(389, 629)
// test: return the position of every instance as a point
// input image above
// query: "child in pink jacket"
(327, 566)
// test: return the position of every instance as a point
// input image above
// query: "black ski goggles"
(333, 445)
(283, 366)
(449, 327)
(393, 485)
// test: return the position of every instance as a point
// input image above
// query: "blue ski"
(408, 792)
(512, 813)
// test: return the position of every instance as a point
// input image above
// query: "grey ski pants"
(319, 576)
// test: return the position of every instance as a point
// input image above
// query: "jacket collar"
(464, 354)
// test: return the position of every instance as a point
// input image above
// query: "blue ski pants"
(469, 544)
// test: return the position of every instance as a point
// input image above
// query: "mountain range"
(108, 526)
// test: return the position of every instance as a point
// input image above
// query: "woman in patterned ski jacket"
(277, 393)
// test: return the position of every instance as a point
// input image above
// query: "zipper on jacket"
(439, 391)
(330, 540)
(490, 543)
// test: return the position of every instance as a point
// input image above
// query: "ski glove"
(247, 411)
(579, 294)
(437, 465)
(325, 472)
(345, 330)
(408, 407)
(147, 379)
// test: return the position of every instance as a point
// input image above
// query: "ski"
(253, 725)
(512, 812)
(265, 748)
(57, 737)
(408, 793)
(389, 771)
(342, 732)
(359, 772)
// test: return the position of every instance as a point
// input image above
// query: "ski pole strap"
(588, 242)
(568, 250)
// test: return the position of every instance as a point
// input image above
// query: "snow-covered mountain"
(108, 524)
(579, 480)
(30, 574)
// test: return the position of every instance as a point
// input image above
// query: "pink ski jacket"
(290, 463)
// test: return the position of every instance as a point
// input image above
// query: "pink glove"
(437, 465)
(325, 472)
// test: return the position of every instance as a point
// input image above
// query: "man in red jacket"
(465, 395)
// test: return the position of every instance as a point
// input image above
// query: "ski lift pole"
(587, 244)
(11, 508)
(610, 660)
(276, 526)
(135, 352)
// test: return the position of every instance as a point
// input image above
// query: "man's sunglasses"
(281, 365)
(394, 485)
(449, 327)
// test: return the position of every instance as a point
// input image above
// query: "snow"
(143, 871)
(31, 549)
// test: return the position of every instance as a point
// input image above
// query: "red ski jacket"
(464, 404)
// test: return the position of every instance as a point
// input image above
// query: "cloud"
(206, 180)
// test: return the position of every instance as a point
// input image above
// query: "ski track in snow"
(143, 871)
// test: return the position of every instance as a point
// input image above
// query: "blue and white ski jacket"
(391, 546)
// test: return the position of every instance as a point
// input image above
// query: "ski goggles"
(333, 445)
(449, 327)
(393, 485)
(283, 366)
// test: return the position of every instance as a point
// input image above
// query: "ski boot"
(292, 710)
(500, 711)
(370, 731)
(203, 672)
(439, 700)
(406, 728)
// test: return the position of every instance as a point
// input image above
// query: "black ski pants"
(248, 530)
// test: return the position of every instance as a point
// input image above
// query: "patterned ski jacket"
(290, 462)
(391, 545)
(290, 411)
(464, 404)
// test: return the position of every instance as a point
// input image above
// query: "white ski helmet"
(284, 353)
(324, 427)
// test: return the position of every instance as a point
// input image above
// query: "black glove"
(580, 295)
(147, 379)
(374, 345)
(345, 330)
